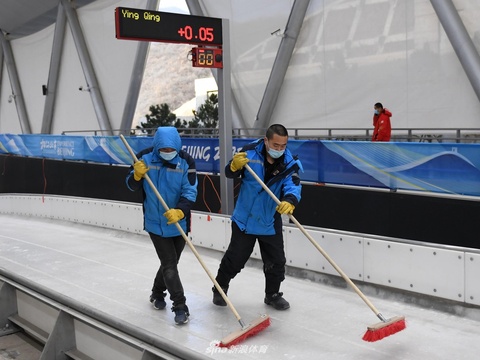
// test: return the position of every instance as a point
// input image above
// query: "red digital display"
(207, 58)
(146, 25)
(204, 34)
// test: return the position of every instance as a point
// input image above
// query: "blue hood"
(167, 137)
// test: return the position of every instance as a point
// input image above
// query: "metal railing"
(431, 135)
(65, 310)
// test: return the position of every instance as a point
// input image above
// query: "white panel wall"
(421, 269)
(39, 314)
(432, 270)
(97, 344)
(253, 48)
(112, 60)
(214, 232)
(472, 276)
(9, 122)
(32, 77)
(73, 108)
(108, 214)
(209, 231)
(349, 55)
(346, 251)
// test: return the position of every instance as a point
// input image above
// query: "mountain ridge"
(169, 78)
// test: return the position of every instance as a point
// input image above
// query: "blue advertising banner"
(432, 167)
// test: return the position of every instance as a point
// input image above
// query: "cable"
(204, 200)
(216, 192)
(214, 189)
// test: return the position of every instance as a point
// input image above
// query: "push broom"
(246, 331)
(374, 332)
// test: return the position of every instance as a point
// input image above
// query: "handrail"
(338, 133)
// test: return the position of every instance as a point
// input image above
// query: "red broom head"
(382, 330)
(249, 331)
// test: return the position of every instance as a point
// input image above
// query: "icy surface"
(113, 272)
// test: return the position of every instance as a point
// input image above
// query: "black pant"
(168, 250)
(240, 249)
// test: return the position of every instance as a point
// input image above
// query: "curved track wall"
(420, 218)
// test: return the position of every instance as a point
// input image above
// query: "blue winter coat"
(176, 181)
(254, 210)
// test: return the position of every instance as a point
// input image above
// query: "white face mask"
(168, 155)
(275, 154)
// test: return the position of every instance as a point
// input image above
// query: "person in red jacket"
(381, 123)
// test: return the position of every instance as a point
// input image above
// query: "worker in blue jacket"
(173, 173)
(256, 215)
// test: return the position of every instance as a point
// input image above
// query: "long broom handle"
(319, 248)
(190, 244)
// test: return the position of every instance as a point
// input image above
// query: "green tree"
(160, 115)
(206, 118)
(193, 124)
(207, 115)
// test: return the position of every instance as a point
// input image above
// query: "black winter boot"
(158, 302)
(181, 314)
(217, 297)
(277, 301)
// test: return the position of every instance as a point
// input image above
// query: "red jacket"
(382, 127)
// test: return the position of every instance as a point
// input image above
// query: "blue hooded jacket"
(176, 181)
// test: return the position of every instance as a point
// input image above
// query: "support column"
(88, 69)
(8, 307)
(61, 339)
(194, 7)
(17, 94)
(237, 120)
(225, 100)
(54, 70)
(460, 40)
(136, 79)
(280, 66)
(225, 121)
(1, 68)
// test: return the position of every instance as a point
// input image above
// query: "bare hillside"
(169, 78)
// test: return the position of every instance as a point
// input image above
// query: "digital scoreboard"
(147, 25)
(207, 58)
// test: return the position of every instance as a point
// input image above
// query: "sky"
(177, 6)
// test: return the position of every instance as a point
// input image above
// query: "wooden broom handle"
(189, 242)
(312, 240)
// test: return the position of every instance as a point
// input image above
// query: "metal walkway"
(111, 272)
